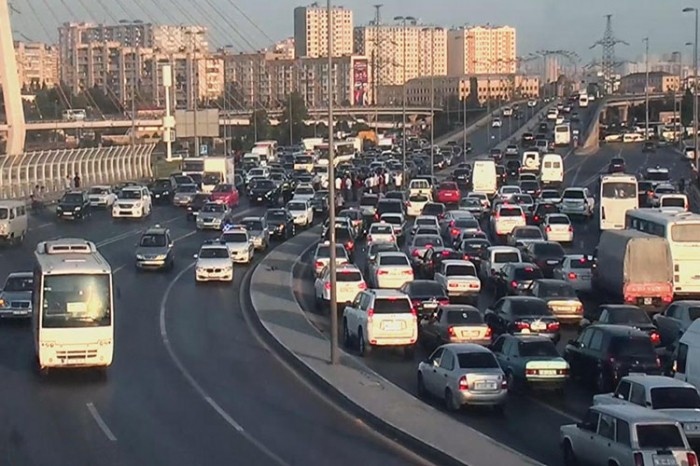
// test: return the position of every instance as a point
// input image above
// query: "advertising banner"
(360, 79)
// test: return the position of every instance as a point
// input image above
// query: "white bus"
(562, 134)
(73, 313)
(618, 194)
(682, 231)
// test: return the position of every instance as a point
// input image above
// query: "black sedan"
(522, 315)
(546, 254)
(264, 191)
(425, 295)
(281, 223)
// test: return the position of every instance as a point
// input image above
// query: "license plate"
(647, 301)
(664, 460)
(552, 262)
(18, 313)
(391, 326)
(260, 199)
(485, 385)
(471, 334)
(548, 372)
(538, 326)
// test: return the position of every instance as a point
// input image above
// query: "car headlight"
(59, 208)
(161, 257)
(139, 257)
(165, 193)
(77, 208)
(3, 303)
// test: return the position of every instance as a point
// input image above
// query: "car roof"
(383, 293)
(551, 281)
(619, 330)
(20, 275)
(390, 254)
(457, 262)
(653, 381)
(157, 230)
(524, 299)
(466, 348)
(633, 413)
(213, 245)
(250, 219)
(503, 249)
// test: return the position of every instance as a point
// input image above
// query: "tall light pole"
(432, 99)
(335, 356)
(676, 92)
(404, 20)
(646, 88)
(224, 49)
(136, 77)
(695, 85)
(195, 85)
(289, 111)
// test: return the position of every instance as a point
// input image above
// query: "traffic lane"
(209, 334)
(515, 429)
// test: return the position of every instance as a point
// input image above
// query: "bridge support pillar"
(624, 113)
(11, 89)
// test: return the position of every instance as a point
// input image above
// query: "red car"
(448, 193)
(225, 193)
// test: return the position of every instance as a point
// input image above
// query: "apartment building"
(311, 31)
(659, 81)
(37, 64)
(384, 45)
(481, 50)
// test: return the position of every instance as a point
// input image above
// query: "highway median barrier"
(355, 387)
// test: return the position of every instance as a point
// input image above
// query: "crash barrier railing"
(50, 169)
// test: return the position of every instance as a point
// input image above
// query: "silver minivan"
(13, 221)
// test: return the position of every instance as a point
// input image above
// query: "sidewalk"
(389, 409)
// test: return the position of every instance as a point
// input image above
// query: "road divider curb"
(364, 393)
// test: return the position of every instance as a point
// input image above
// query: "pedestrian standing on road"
(357, 184)
(338, 202)
(348, 187)
(398, 180)
(76, 181)
(69, 183)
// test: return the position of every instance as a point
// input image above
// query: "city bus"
(344, 152)
(618, 194)
(682, 231)
(73, 312)
(562, 134)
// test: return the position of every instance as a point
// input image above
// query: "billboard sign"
(360, 79)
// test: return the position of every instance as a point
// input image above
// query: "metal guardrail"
(19, 174)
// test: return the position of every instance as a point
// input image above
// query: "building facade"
(487, 87)
(37, 64)
(262, 80)
(385, 45)
(659, 81)
(482, 50)
(311, 31)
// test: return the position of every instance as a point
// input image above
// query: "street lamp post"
(194, 82)
(695, 85)
(225, 99)
(432, 99)
(335, 356)
(136, 77)
(404, 20)
(677, 109)
(646, 88)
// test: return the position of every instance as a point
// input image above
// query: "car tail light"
(416, 302)
(408, 272)
(327, 285)
(369, 238)
(454, 232)
(444, 302)
(415, 253)
(531, 372)
(563, 371)
(692, 459)
(376, 217)
(370, 315)
(553, 326)
(504, 384)
(655, 338)
(572, 276)
(349, 245)
(445, 253)
(453, 285)
(536, 218)
(408, 204)
(548, 229)
(428, 246)
(522, 325)
(319, 264)
(571, 229)
(658, 362)
(488, 333)
(638, 459)
(514, 284)
(382, 272)
(451, 331)
(362, 285)
(452, 223)
(464, 383)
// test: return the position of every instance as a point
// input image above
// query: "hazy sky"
(542, 24)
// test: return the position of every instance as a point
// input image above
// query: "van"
(484, 177)
(686, 357)
(531, 161)
(419, 186)
(13, 221)
(552, 169)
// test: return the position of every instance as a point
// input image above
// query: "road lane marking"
(555, 410)
(101, 422)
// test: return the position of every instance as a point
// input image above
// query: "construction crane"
(608, 43)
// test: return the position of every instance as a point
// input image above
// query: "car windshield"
(187, 188)
(80, 300)
(425, 240)
(162, 184)
(477, 360)
(527, 273)
(392, 219)
(152, 241)
(528, 233)
(426, 288)
(348, 276)
(223, 188)
(522, 199)
(253, 225)
(4, 213)
(264, 184)
(510, 212)
(659, 437)
(470, 202)
(618, 190)
(381, 230)
(558, 220)
(464, 317)
(557, 290)
(320, 195)
(505, 257)
(467, 223)
(16, 284)
(461, 270)
(211, 178)
(392, 306)
(628, 315)
(73, 198)
(537, 348)
(369, 201)
(217, 208)
(675, 398)
(296, 206)
(433, 209)
(449, 186)
(425, 222)
(276, 215)
(673, 202)
(657, 175)
(324, 251)
(528, 185)
(304, 191)
(376, 248)
(98, 190)
(393, 260)
(130, 194)
(573, 194)
(549, 249)
(214, 253)
(529, 307)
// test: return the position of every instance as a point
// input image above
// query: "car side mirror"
(435, 363)
(171, 245)
(195, 256)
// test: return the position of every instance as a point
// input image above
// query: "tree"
(294, 110)
(259, 126)
(687, 110)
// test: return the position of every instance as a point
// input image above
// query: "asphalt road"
(191, 384)
(531, 421)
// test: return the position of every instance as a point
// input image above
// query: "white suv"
(380, 318)
(506, 218)
(132, 201)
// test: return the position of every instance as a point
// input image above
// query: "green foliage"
(294, 110)
(687, 108)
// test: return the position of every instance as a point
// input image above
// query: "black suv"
(198, 201)
(73, 204)
(281, 223)
(546, 254)
(515, 278)
(541, 210)
(162, 190)
(264, 191)
(603, 354)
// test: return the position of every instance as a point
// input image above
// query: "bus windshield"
(77, 300)
(619, 190)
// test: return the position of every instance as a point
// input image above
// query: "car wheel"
(569, 455)
(420, 387)
(347, 341)
(512, 382)
(362, 347)
(450, 402)
(601, 384)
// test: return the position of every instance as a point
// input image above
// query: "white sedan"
(213, 264)
(390, 270)
(558, 227)
(101, 196)
(302, 211)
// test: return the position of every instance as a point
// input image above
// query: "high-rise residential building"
(37, 64)
(311, 31)
(481, 50)
(384, 45)
(552, 69)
